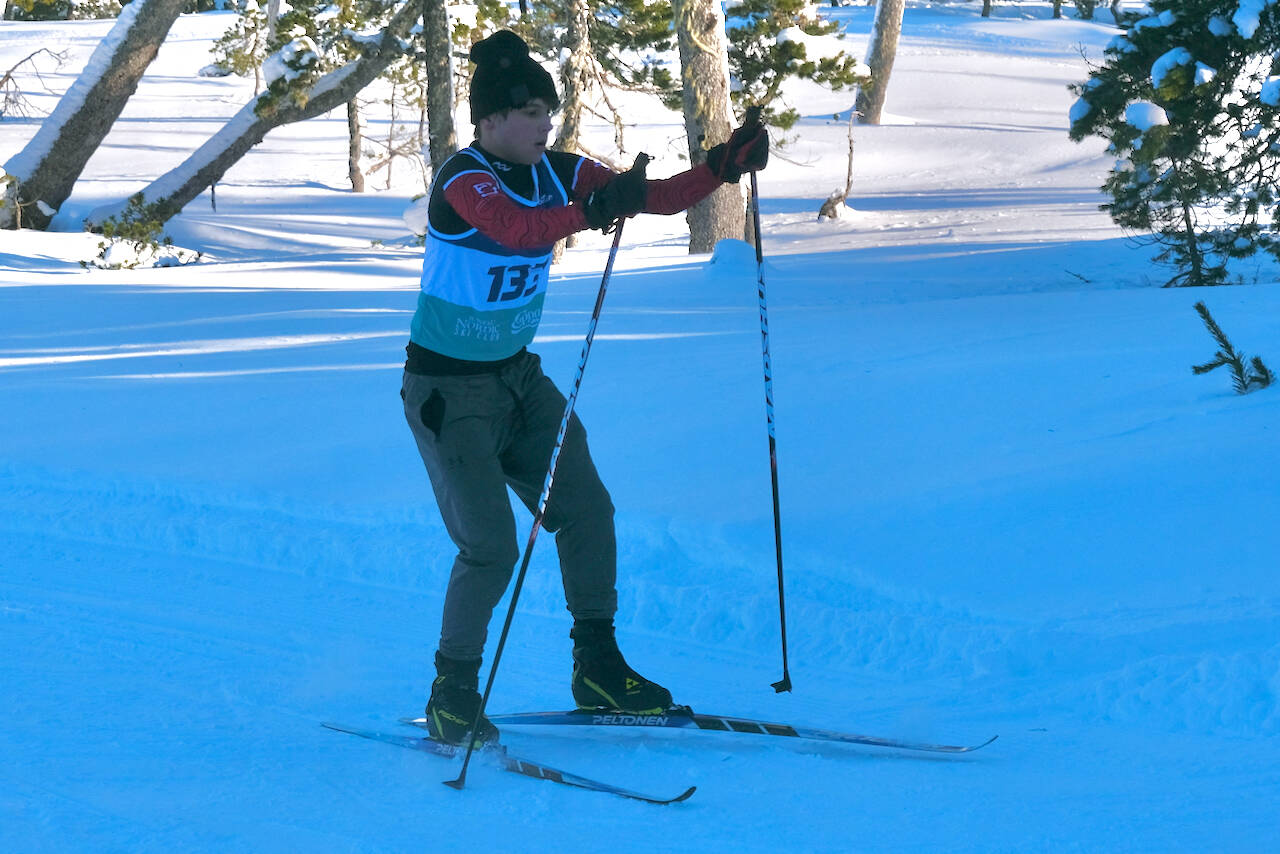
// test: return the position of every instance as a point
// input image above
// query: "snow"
(1167, 62)
(1164, 19)
(1248, 16)
(1270, 93)
(1008, 505)
(291, 61)
(1220, 26)
(1145, 115)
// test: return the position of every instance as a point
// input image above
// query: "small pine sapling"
(1244, 377)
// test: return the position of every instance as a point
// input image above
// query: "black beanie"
(506, 77)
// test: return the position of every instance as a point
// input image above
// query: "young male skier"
(483, 415)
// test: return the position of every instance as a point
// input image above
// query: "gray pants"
(479, 435)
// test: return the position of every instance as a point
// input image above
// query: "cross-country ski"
(509, 762)
(682, 717)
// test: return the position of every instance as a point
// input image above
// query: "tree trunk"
(45, 171)
(273, 19)
(442, 133)
(986, 8)
(708, 116)
(575, 76)
(575, 83)
(167, 195)
(355, 140)
(881, 51)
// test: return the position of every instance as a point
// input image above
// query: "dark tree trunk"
(355, 142)
(168, 194)
(46, 170)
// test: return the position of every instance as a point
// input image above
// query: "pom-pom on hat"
(506, 77)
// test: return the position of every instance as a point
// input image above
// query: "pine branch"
(1261, 375)
(1241, 379)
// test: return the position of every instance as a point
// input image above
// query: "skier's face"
(518, 135)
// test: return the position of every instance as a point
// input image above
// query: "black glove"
(746, 151)
(623, 196)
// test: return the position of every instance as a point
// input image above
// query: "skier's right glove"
(747, 150)
(624, 196)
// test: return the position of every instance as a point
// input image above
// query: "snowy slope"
(1008, 505)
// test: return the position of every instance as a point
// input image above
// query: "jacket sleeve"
(666, 195)
(681, 192)
(479, 200)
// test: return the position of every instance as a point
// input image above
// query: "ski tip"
(688, 793)
(973, 747)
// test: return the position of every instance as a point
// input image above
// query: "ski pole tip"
(456, 784)
(782, 685)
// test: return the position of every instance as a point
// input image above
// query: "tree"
(441, 134)
(882, 49)
(770, 41)
(12, 99)
(299, 93)
(1189, 100)
(40, 177)
(708, 116)
(243, 47)
(605, 45)
(576, 74)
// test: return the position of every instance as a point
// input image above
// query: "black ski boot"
(601, 677)
(454, 703)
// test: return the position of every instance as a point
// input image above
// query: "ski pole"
(783, 684)
(642, 161)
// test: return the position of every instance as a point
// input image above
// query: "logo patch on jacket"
(486, 189)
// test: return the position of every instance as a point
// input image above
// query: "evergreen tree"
(1189, 99)
(243, 47)
(767, 46)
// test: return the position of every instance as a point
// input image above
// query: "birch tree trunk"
(355, 144)
(708, 116)
(575, 83)
(575, 76)
(273, 19)
(442, 134)
(881, 51)
(167, 195)
(44, 172)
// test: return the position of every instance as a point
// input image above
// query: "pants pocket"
(431, 413)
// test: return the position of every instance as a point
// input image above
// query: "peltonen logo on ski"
(629, 720)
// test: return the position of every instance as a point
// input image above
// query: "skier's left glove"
(747, 150)
(625, 195)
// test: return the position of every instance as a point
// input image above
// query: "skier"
(483, 415)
